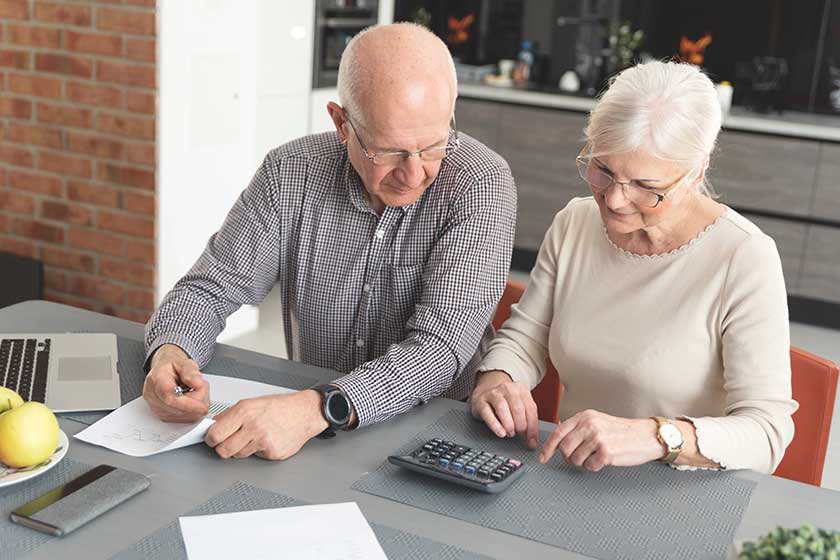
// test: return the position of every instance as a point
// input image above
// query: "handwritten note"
(134, 430)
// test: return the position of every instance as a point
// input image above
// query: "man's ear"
(338, 119)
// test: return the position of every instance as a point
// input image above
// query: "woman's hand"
(594, 440)
(507, 407)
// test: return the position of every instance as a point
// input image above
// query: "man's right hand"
(507, 407)
(171, 366)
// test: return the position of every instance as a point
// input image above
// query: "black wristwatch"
(335, 406)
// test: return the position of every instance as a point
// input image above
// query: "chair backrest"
(814, 381)
(549, 391)
(22, 279)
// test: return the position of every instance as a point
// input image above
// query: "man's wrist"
(493, 377)
(167, 352)
(658, 448)
(318, 422)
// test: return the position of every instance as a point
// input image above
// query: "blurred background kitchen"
(129, 127)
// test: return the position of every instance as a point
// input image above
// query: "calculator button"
(460, 449)
(483, 473)
(497, 476)
(436, 441)
(514, 463)
(449, 443)
(428, 447)
(450, 456)
(443, 462)
(469, 469)
(456, 465)
(501, 458)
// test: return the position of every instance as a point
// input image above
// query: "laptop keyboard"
(24, 364)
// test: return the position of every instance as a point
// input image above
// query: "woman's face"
(627, 207)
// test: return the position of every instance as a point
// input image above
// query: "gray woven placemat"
(132, 355)
(167, 544)
(15, 540)
(650, 511)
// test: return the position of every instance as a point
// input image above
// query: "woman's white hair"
(667, 109)
(353, 77)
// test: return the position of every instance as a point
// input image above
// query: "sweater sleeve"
(520, 348)
(755, 341)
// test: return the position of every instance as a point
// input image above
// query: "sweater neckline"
(673, 252)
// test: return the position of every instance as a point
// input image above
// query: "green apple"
(28, 435)
(9, 399)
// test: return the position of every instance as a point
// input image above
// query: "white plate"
(9, 476)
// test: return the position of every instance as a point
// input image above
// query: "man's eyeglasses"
(435, 153)
(600, 179)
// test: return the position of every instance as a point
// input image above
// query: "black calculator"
(473, 468)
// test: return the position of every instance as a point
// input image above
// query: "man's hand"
(170, 366)
(507, 407)
(273, 427)
(594, 440)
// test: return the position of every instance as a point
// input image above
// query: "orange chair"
(814, 381)
(549, 391)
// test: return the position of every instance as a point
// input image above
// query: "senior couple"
(390, 239)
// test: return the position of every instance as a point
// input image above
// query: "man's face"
(396, 180)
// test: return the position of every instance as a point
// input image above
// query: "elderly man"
(390, 240)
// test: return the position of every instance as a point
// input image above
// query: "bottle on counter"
(524, 64)
(724, 93)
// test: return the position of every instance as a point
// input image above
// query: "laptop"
(66, 372)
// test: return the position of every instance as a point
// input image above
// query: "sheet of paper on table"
(317, 532)
(134, 430)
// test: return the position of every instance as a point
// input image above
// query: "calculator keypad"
(474, 464)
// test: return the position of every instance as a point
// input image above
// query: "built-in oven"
(336, 22)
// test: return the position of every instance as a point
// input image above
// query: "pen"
(180, 389)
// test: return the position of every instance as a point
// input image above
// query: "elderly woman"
(663, 311)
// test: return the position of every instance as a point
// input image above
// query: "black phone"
(71, 505)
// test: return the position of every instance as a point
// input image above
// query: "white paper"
(319, 532)
(133, 429)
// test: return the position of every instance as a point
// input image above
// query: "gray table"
(324, 470)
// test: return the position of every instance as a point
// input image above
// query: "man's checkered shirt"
(400, 303)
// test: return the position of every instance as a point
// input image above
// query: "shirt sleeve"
(520, 348)
(462, 282)
(756, 359)
(239, 266)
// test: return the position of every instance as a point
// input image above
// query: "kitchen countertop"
(791, 123)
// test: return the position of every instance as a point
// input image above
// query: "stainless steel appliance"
(336, 22)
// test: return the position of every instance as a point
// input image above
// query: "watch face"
(338, 408)
(672, 435)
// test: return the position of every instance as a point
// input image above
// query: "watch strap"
(673, 452)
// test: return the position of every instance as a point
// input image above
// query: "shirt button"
(360, 342)
(366, 288)
(380, 233)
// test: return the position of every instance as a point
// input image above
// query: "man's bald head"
(390, 70)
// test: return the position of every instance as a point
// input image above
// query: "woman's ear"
(337, 115)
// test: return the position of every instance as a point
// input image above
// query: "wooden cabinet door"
(790, 241)
(479, 119)
(821, 265)
(827, 195)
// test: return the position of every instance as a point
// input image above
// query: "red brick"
(142, 75)
(72, 260)
(140, 102)
(38, 230)
(4, 224)
(94, 95)
(62, 212)
(17, 202)
(141, 251)
(93, 43)
(138, 274)
(22, 247)
(15, 108)
(14, 9)
(139, 203)
(39, 86)
(128, 176)
(93, 240)
(70, 14)
(38, 135)
(126, 223)
(61, 114)
(93, 194)
(42, 184)
(126, 21)
(97, 288)
(55, 279)
(63, 164)
(141, 49)
(14, 59)
(94, 145)
(43, 37)
(141, 153)
(62, 64)
(148, 3)
(134, 127)
(14, 155)
(143, 299)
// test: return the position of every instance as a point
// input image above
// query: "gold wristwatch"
(670, 436)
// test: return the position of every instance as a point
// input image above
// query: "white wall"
(234, 82)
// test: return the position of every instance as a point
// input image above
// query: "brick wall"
(77, 148)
